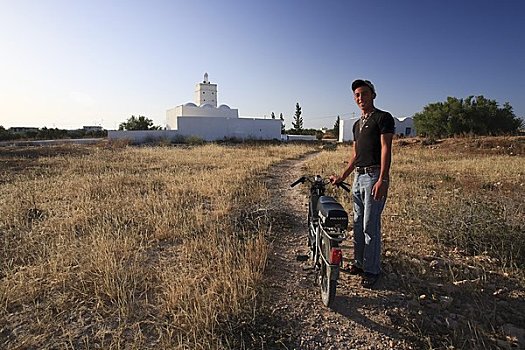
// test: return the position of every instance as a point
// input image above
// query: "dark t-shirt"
(368, 140)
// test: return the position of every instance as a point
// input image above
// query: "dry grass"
(131, 247)
(454, 233)
(165, 247)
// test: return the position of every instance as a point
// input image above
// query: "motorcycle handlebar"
(298, 181)
(344, 186)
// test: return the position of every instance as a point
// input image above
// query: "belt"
(367, 169)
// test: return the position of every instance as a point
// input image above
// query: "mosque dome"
(206, 105)
(224, 107)
(190, 104)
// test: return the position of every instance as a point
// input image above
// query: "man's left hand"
(380, 190)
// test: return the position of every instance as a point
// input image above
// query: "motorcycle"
(327, 228)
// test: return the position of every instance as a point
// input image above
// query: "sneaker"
(354, 270)
(369, 279)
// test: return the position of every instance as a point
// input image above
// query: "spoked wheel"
(314, 250)
(328, 287)
(309, 238)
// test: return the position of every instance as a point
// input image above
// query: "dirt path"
(293, 316)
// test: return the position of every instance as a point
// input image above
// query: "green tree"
(138, 123)
(508, 122)
(336, 127)
(51, 134)
(4, 134)
(293, 131)
(298, 120)
(474, 115)
(273, 115)
(283, 130)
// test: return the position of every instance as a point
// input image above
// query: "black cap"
(359, 82)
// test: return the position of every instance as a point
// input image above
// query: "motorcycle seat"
(327, 199)
(332, 213)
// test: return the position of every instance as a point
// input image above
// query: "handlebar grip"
(344, 186)
(298, 181)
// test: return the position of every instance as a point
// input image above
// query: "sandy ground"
(293, 316)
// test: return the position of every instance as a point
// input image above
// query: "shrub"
(194, 140)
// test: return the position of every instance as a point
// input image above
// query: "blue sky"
(69, 63)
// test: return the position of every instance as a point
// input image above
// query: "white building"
(202, 118)
(404, 126)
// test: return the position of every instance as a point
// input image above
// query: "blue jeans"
(367, 223)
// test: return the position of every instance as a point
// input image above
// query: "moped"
(327, 228)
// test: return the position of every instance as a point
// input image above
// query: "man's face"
(363, 98)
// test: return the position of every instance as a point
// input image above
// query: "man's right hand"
(334, 180)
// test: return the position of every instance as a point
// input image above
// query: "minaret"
(206, 93)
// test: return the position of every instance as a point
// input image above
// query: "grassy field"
(133, 247)
(454, 236)
(165, 246)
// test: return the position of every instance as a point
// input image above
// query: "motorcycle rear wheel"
(328, 288)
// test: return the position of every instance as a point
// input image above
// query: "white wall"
(142, 136)
(208, 129)
(193, 111)
(213, 128)
(208, 111)
(300, 138)
(345, 129)
(403, 124)
(171, 117)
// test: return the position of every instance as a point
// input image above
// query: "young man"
(371, 159)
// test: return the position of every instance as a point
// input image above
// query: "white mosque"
(202, 118)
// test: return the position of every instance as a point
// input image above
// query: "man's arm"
(348, 170)
(381, 187)
(386, 156)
